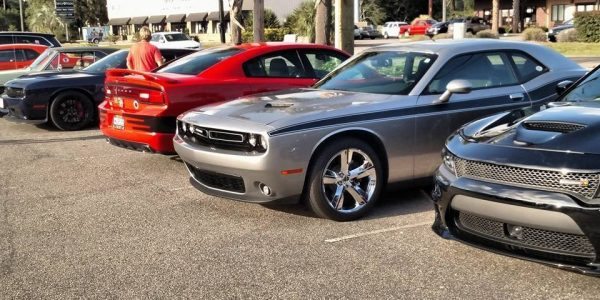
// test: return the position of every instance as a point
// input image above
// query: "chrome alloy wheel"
(349, 180)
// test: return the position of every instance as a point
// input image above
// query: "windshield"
(197, 63)
(176, 37)
(587, 90)
(40, 63)
(115, 60)
(388, 72)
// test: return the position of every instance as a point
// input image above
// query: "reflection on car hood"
(11, 74)
(48, 79)
(564, 127)
(284, 107)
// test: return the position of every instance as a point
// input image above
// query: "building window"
(558, 12)
(585, 7)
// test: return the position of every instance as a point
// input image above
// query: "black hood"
(51, 79)
(563, 127)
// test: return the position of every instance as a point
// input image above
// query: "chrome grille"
(532, 237)
(553, 126)
(585, 184)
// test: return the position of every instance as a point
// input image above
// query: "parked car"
(357, 33)
(554, 31)
(368, 32)
(379, 119)
(174, 40)
(59, 60)
(473, 25)
(392, 29)
(70, 99)
(17, 37)
(140, 108)
(416, 27)
(18, 56)
(437, 28)
(525, 182)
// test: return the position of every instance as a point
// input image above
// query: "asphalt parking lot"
(80, 218)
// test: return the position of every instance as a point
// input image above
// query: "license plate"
(118, 122)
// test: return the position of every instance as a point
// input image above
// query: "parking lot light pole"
(21, 13)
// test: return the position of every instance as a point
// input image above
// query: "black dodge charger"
(69, 100)
(525, 182)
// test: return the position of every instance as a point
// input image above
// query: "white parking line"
(353, 236)
(180, 188)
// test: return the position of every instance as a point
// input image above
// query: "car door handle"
(516, 96)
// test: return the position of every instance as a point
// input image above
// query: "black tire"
(386, 36)
(71, 110)
(317, 199)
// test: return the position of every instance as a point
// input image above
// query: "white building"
(193, 16)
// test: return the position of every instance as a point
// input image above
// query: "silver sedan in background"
(379, 119)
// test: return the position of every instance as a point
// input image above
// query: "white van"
(392, 29)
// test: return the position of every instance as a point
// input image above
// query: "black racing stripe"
(401, 112)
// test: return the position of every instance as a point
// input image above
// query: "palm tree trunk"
(323, 22)
(235, 14)
(258, 22)
(495, 16)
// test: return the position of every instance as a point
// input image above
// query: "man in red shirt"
(144, 56)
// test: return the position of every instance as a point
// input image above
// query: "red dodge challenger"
(140, 109)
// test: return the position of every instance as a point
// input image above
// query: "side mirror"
(59, 67)
(456, 86)
(562, 86)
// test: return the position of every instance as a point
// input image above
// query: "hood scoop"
(279, 104)
(552, 126)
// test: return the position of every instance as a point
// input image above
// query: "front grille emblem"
(514, 232)
(581, 182)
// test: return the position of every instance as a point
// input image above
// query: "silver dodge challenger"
(379, 119)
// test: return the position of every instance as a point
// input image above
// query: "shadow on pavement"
(394, 203)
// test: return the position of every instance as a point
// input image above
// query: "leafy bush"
(588, 26)
(567, 36)
(534, 34)
(271, 35)
(302, 20)
(486, 34)
(113, 38)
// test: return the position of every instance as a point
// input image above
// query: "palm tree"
(41, 17)
(495, 16)
(516, 17)
(235, 15)
(323, 22)
(259, 21)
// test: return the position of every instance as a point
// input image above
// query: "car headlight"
(448, 160)
(258, 141)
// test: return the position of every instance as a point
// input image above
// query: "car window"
(30, 54)
(386, 72)
(198, 62)
(527, 67)
(482, 70)
(281, 64)
(587, 90)
(7, 56)
(322, 62)
(19, 55)
(155, 38)
(25, 39)
(6, 39)
(71, 60)
(115, 60)
(176, 37)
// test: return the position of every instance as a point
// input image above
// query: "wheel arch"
(367, 135)
(66, 90)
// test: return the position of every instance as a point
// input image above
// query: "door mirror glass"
(562, 86)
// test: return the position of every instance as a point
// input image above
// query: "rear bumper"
(140, 132)
(542, 226)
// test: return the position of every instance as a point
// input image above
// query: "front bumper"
(23, 110)
(547, 227)
(242, 175)
(148, 133)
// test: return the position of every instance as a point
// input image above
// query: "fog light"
(515, 232)
(266, 190)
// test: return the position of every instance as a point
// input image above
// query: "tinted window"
(19, 55)
(389, 72)
(39, 63)
(31, 40)
(485, 70)
(7, 56)
(176, 37)
(155, 37)
(197, 63)
(6, 39)
(527, 67)
(30, 54)
(279, 64)
(71, 60)
(323, 62)
(587, 90)
(115, 60)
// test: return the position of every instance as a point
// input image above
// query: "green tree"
(91, 12)
(8, 18)
(41, 17)
(302, 20)
(271, 20)
(373, 11)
